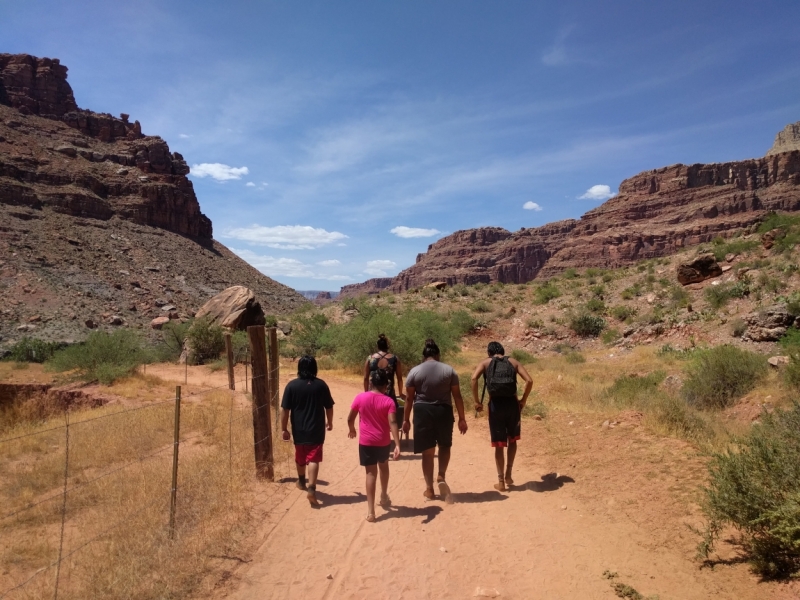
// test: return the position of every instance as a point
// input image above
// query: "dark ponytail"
(383, 343)
(431, 349)
(379, 378)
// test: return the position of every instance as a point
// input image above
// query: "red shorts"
(307, 453)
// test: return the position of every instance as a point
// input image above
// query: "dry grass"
(119, 487)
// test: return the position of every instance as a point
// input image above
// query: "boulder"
(159, 322)
(235, 308)
(701, 268)
(285, 327)
(437, 285)
(768, 324)
(776, 361)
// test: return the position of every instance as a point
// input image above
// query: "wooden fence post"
(262, 428)
(274, 371)
(229, 353)
(174, 491)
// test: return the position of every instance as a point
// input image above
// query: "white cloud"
(598, 192)
(183, 136)
(286, 237)
(556, 55)
(285, 267)
(413, 232)
(329, 263)
(218, 171)
(532, 206)
(250, 184)
(377, 268)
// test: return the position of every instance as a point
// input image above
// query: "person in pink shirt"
(377, 419)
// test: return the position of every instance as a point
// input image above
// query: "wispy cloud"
(286, 237)
(219, 171)
(598, 192)
(413, 232)
(556, 55)
(379, 268)
(329, 263)
(286, 267)
(531, 206)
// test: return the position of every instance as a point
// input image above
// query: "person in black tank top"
(388, 363)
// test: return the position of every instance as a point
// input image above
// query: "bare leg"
(383, 469)
(444, 489)
(427, 471)
(313, 471)
(372, 473)
(499, 460)
(512, 452)
(301, 476)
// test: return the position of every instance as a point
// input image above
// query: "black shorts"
(372, 455)
(433, 425)
(504, 421)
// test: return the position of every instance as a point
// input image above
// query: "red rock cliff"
(78, 162)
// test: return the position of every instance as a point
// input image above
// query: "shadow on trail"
(475, 497)
(549, 483)
(294, 480)
(331, 500)
(408, 512)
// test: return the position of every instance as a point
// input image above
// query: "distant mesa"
(656, 213)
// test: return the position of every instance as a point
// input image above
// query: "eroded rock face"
(235, 308)
(85, 164)
(768, 324)
(701, 268)
(656, 213)
(787, 140)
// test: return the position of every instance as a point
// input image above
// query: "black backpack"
(501, 378)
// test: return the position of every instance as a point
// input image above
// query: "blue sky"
(333, 141)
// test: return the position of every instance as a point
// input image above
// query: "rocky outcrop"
(656, 213)
(85, 164)
(701, 268)
(768, 324)
(787, 140)
(234, 308)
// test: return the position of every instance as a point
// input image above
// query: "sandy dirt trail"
(540, 540)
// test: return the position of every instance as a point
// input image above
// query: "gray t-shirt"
(432, 382)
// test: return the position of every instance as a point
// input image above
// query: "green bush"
(570, 273)
(33, 350)
(738, 327)
(719, 295)
(173, 336)
(104, 357)
(544, 293)
(206, 340)
(791, 374)
(596, 305)
(574, 357)
(587, 325)
(631, 292)
(622, 312)
(793, 304)
(609, 336)
(718, 376)
(480, 306)
(535, 323)
(523, 356)
(592, 272)
(755, 487)
(309, 330)
(533, 409)
(628, 389)
(735, 246)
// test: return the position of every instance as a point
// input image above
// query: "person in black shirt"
(308, 401)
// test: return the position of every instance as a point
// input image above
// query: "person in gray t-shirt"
(431, 388)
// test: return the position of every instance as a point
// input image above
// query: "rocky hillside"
(98, 222)
(655, 214)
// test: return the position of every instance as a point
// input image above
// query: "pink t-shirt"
(373, 418)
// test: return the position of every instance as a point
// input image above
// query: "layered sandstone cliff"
(656, 213)
(788, 139)
(99, 225)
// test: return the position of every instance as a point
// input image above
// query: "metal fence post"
(174, 491)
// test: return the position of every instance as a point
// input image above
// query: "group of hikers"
(431, 390)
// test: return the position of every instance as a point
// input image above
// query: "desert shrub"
(609, 336)
(592, 272)
(562, 348)
(788, 231)
(523, 356)
(607, 277)
(32, 350)
(755, 487)
(173, 336)
(598, 290)
(464, 322)
(622, 312)
(679, 297)
(670, 351)
(479, 306)
(535, 323)
(718, 376)
(206, 340)
(570, 273)
(104, 357)
(546, 292)
(596, 305)
(533, 409)
(631, 292)
(738, 327)
(791, 374)
(240, 346)
(574, 357)
(308, 332)
(793, 304)
(460, 290)
(587, 325)
(270, 321)
(719, 295)
(790, 341)
(627, 389)
(735, 246)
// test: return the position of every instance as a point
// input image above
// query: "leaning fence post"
(229, 354)
(262, 428)
(63, 503)
(274, 370)
(174, 491)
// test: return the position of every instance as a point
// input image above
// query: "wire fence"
(145, 428)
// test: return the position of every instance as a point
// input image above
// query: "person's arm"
(395, 435)
(351, 423)
(398, 373)
(462, 420)
(522, 372)
(329, 416)
(411, 393)
(476, 375)
(285, 424)
(366, 375)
